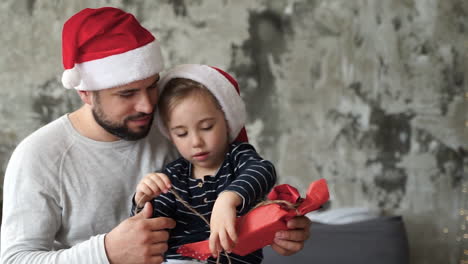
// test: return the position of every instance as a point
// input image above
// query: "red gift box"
(257, 228)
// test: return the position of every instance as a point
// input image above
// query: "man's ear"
(86, 96)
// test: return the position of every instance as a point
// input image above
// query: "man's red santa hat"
(107, 47)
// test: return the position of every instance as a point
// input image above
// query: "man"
(68, 186)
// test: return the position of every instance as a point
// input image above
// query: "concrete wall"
(367, 94)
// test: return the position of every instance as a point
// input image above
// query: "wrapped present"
(257, 228)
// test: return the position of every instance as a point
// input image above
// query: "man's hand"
(291, 241)
(139, 239)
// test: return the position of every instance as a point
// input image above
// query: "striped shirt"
(243, 171)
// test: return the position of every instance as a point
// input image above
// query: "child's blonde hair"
(179, 89)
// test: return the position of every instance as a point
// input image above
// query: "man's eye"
(126, 95)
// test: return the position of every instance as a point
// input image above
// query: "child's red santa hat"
(224, 88)
(107, 47)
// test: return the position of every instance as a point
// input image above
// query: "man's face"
(127, 111)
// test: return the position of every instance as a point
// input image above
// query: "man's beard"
(121, 130)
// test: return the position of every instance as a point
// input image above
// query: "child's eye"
(207, 127)
(181, 134)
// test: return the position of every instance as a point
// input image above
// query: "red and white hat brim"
(115, 70)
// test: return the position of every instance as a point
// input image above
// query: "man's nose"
(145, 104)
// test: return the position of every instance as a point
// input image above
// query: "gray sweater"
(63, 192)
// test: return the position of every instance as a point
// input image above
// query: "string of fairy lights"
(463, 237)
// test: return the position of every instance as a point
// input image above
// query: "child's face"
(199, 131)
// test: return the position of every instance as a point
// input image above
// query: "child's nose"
(197, 141)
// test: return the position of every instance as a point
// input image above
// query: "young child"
(218, 175)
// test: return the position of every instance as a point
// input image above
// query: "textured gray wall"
(367, 94)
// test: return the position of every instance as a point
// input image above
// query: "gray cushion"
(382, 240)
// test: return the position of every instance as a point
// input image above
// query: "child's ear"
(227, 132)
(227, 126)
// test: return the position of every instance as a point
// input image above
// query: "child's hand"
(152, 185)
(223, 223)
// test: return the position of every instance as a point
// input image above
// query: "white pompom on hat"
(107, 47)
(224, 88)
